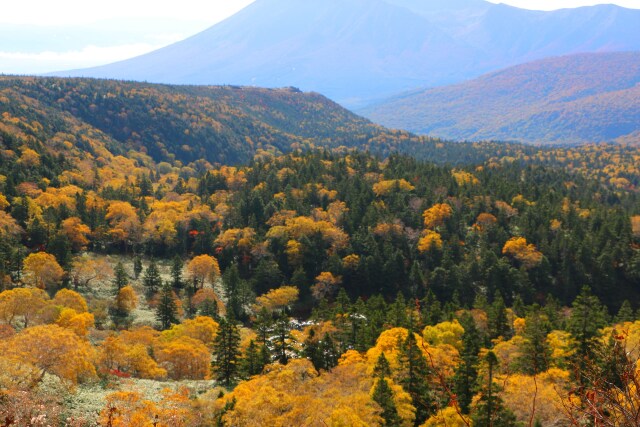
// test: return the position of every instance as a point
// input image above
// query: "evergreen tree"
(167, 309)
(588, 316)
(330, 354)
(282, 340)
(536, 352)
(121, 279)
(312, 351)
(498, 320)
(382, 368)
(236, 291)
(226, 352)
(383, 396)
(490, 411)
(397, 314)
(252, 362)
(177, 266)
(466, 374)
(137, 266)
(625, 314)
(152, 280)
(414, 378)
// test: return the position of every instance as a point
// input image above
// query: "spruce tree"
(536, 352)
(490, 411)
(414, 378)
(588, 316)
(152, 280)
(625, 314)
(121, 279)
(137, 266)
(176, 272)
(330, 354)
(252, 362)
(498, 321)
(466, 374)
(312, 350)
(383, 396)
(167, 309)
(382, 368)
(226, 352)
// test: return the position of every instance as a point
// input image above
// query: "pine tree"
(234, 288)
(536, 352)
(466, 373)
(137, 267)
(490, 411)
(121, 279)
(312, 350)
(226, 353)
(498, 321)
(177, 266)
(382, 368)
(414, 378)
(252, 362)
(330, 354)
(282, 340)
(152, 280)
(383, 396)
(588, 316)
(167, 309)
(625, 314)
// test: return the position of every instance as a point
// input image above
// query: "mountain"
(357, 51)
(219, 124)
(571, 99)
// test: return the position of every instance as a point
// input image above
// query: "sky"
(39, 36)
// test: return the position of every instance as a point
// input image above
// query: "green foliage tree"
(167, 309)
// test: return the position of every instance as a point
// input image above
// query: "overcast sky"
(37, 36)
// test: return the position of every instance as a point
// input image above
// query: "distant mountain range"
(569, 99)
(358, 51)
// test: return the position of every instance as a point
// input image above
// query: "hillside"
(217, 124)
(393, 45)
(571, 99)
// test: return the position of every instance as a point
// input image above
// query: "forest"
(495, 286)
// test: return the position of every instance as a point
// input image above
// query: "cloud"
(89, 56)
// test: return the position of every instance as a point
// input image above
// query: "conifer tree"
(312, 351)
(177, 266)
(466, 374)
(226, 353)
(382, 368)
(490, 411)
(536, 352)
(498, 321)
(121, 279)
(330, 354)
(152, 280)
(252, 362)
(167, 309)
(625, 314)
(414, 378)
(383, 396)
(137, 266)
(588, 316)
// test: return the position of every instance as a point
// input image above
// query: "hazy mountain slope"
(355, 51)
(577, 98)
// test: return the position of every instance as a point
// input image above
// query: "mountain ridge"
(569, 99)
(393, 45)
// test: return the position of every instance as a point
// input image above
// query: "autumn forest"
(228, 256)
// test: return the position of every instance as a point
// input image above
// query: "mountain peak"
(357, 51)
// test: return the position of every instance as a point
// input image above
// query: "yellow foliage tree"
(436, 215)
(41, 270)
(525, 253)
(383, 188)
(53, 350)
(203, 268)
(76, 232)
(430, 240)
(184, 358)
(71, 299)
(26, 304)
(278, 299)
